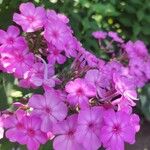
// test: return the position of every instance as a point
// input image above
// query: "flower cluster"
(86, 104)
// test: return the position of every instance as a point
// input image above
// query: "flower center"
(91, 125)
(70, 133)
(10, 40)
(80, 92)
(20, 58)
(47, 110)
(30, 18)
(55, 34)
(31, 132)
(56, 52)
(116, 129)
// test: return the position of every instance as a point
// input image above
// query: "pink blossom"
(17, 62)
(89, 125)
(32, 135)
(100, 82)
(39, 76)
(125, 85)
(124, 104)
(79, 91)
(66, 135)
(137, 49)
(115, 37)
(55, 55)
(10, 40)
(116, 130)
(110, 68)
(99, 35)
(53, 16)
(91, 59)
(49, 107)
(57, 33)
(70, 47)
(14, 125)
(31, 18)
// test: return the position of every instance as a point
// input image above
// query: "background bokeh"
(130, 18)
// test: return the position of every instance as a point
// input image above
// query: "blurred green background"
(130, 18)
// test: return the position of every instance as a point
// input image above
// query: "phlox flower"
(65, 134)
(14, 125)
(117, 129)
(10, 40)
(124, 104)
(88, 129)
(136, 49)
(110, 68)
(55, 55)
(57, 33)
(17, 62)
(99, 35)
(32, 136)
(140, 69)
(125, 85)
(37, 76)
(91, 59)
(79, 91)
(70, 47)
(100, 82)
(115, 37)
(53, 16)
(49, 107)
(31, 18)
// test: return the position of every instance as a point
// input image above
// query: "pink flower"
(117, 128)
(11, 40)
(71, 46)
(17, 62)
(53, 16)
(14, 125)
(100, 82)
(49, 107)
(32, 135)
(31, 18)
(79, 92)
(137, 49)
(55, 55)
(57, 33)
(111, 67)
(91, 59)
(124, 104)
(115, 37)
(99, 35)
(66, 135)
(39, 76)
(89, 125)
(126, 86)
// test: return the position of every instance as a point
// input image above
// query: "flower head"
(117, 129)
(49, 107)
(99, 35)
(79, 91)
(89, 125)
(31, 18)
(10, 40)
(66, 130)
